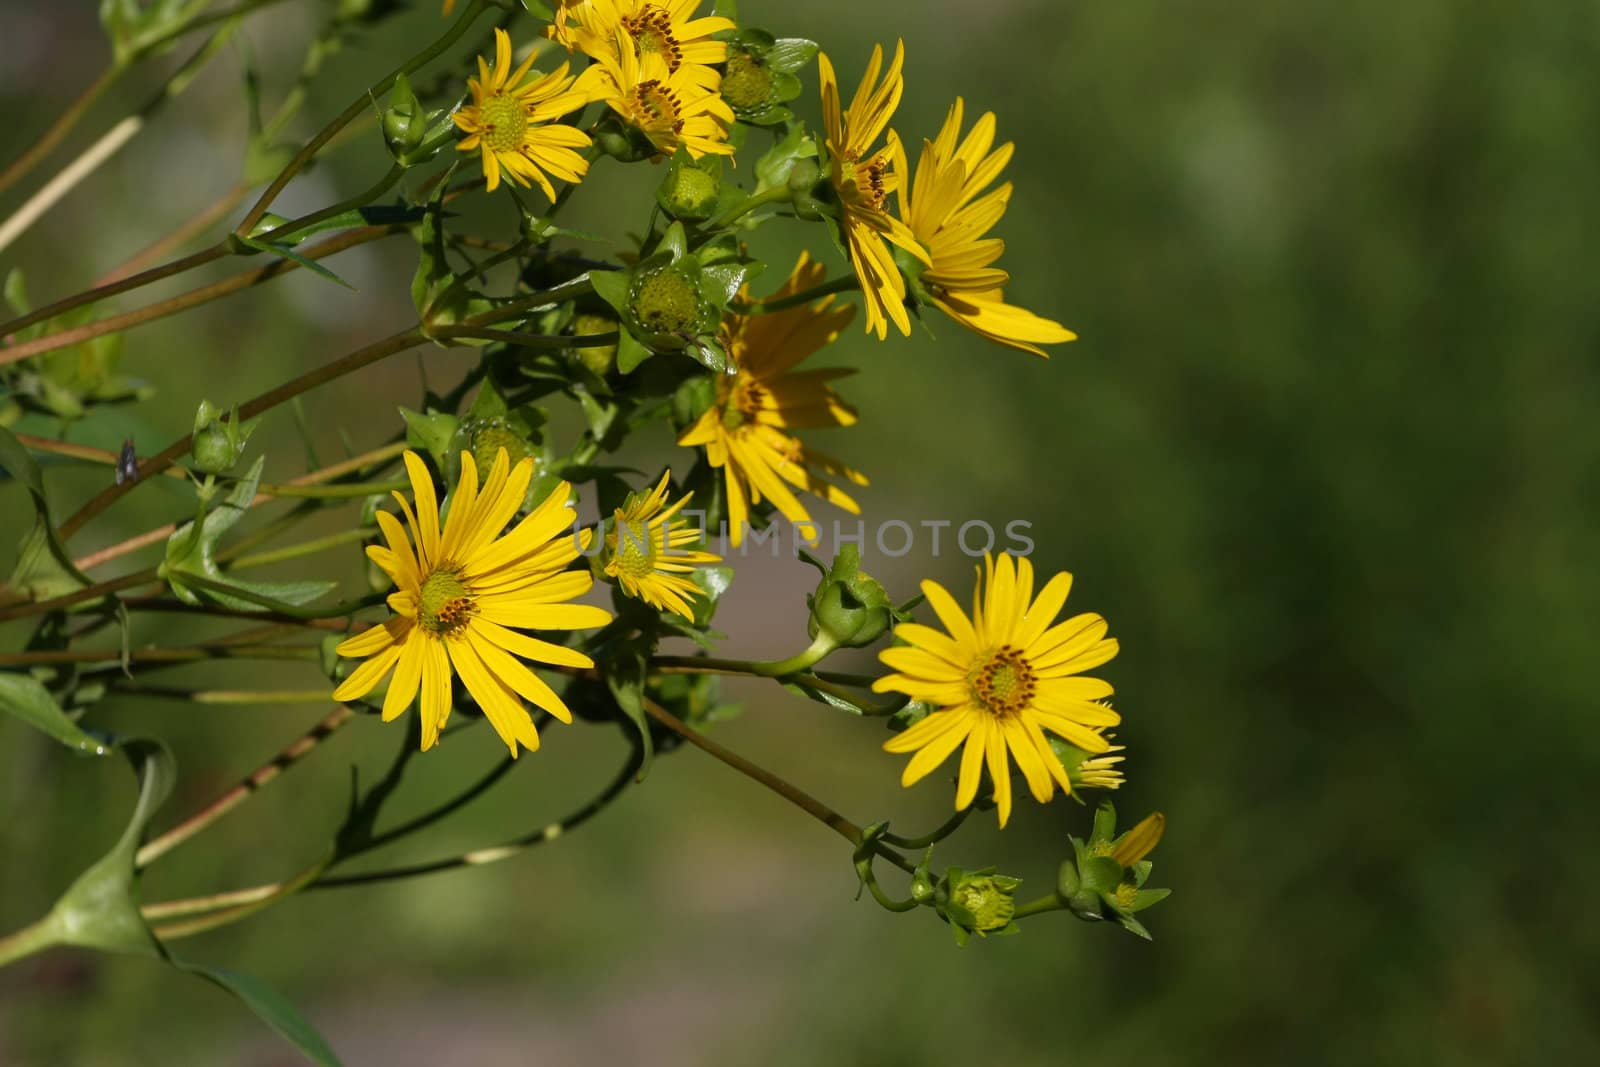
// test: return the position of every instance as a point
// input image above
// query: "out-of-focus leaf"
(23, 696)
(44, 569)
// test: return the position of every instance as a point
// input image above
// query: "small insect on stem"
(127, 463)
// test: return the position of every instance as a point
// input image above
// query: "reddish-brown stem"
(60, 128)
(180, 236)
(240, 792)
(361, 357)
(90, 296)
(193, 298)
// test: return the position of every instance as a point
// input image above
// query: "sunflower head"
(1001, 678)
(648, 551)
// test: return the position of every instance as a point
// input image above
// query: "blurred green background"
(1324, 456)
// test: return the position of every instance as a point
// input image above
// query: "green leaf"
(194, 555)
(44, 569)
(789, 54)
(271, 1008)
(431, 432)
(101, 908)
(26, 698)
(612, 287)
(625, 677)
(772, 169)
(630, 352)
(290, 254)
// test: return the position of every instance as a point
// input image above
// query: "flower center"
(446, 601)
(635, 553)
(1125, 894)
(652, 33)
(505, 122)
(864, 183)
(1002, 683)
(655, 107)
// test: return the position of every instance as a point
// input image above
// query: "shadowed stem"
(361, 357)
(183, 301)
(252, 782)
(60, 127)
(799, 798)
(763, 307)
(357, 107)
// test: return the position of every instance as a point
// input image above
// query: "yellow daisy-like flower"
(673, 108)
(666, 29)
(864, 179)
(1001, 678)
(747, 431)
(945, 210)
(462, 592)
(646, 551)
(514, 124)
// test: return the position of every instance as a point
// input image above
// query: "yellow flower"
(461, 592)
(864, 179)
(945, 210)
(673, 108)
(746, 431)
(514, 123)
(663, 28)
(1001, 678)
(645, 551)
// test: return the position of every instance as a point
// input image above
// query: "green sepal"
(44, 568)
(191, 553)
(287, 252)
(776, 165)
(431, 432)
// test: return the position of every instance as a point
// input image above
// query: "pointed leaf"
(24, 697)
(271, 1008)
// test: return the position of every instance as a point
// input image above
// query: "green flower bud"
(622, 142)
(691, 187)
(849, 607)
(1107, 874)
(218, 441)
(977, 902)
(747, 82)
(413, 134)
(759, 75)
(666, 301)
(600, 359)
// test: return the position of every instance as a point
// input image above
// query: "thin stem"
(456, 803)
(383, 185)
(349, 114)
(361, 357)
(765, 307)
(110, 289)
(193, 298)
(59, 129)
(109, 143)
(244, 911)
(799, 798)
(226, 696)
(283, 622)
(750, 203)
(944, 830)
(482, 856)
(1039, 907)
(304, 548)
(161, 655)
(88, 592)
(161, 533)
(35, 937)
(201, 222)
(87, 453)
(252, 782)
(333, 492)
(545, 342)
